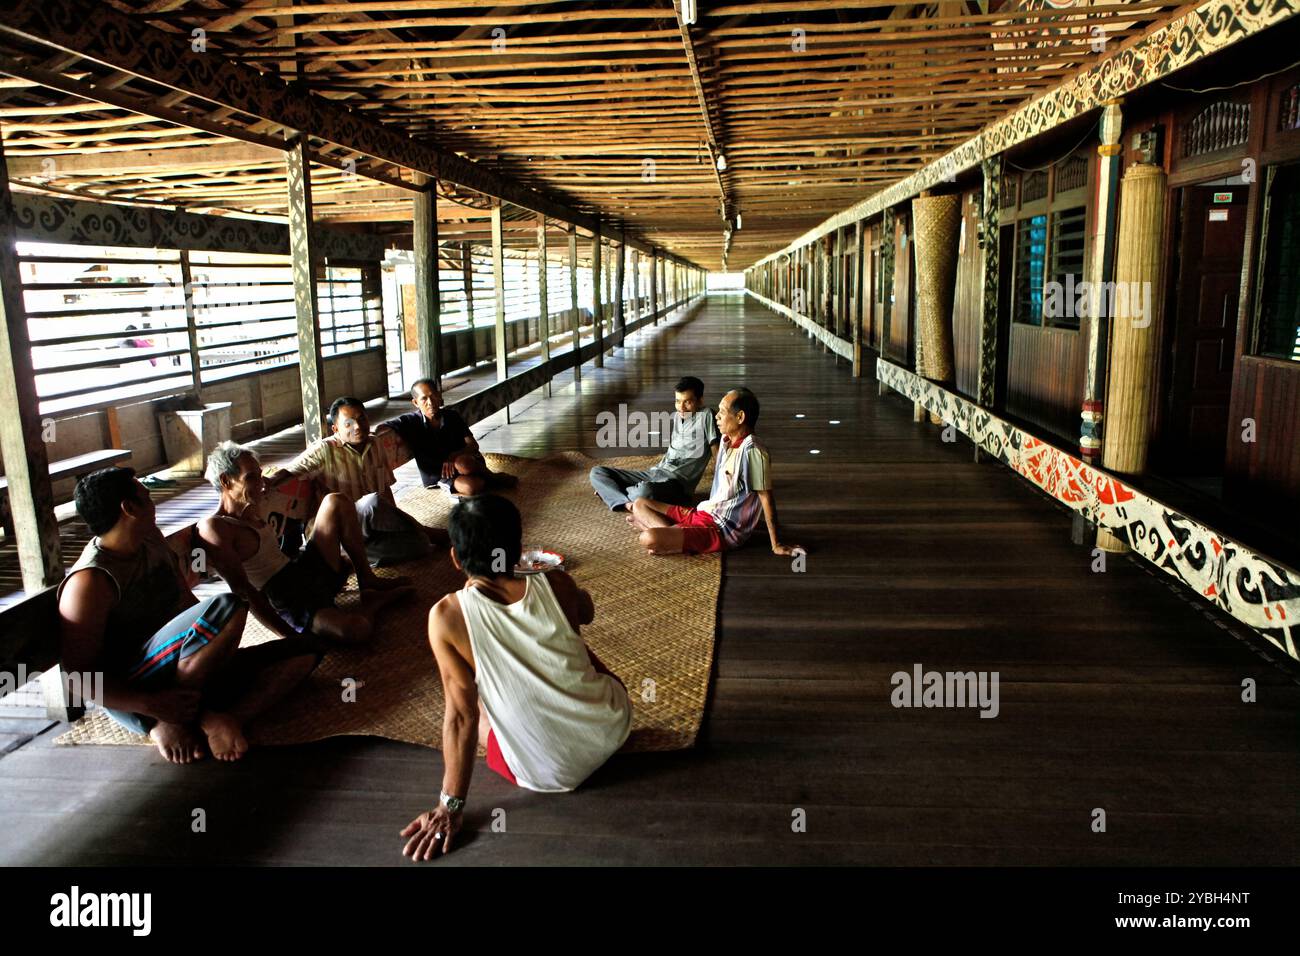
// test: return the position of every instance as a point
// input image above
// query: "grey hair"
(224, 460)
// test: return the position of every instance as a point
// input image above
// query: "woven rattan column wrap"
(937, 220)
(1133, 336)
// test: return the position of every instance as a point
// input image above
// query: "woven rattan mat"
(654, 627)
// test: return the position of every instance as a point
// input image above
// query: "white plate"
(538, 561)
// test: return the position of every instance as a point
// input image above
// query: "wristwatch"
(454, 804)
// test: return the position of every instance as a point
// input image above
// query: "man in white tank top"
(517, 676)
(290, 595)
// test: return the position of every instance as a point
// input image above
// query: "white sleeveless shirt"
(556, 719)
(268, 560)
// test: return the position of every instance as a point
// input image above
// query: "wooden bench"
(73, 467)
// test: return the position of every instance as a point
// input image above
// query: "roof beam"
(92, 32)
(712, 126)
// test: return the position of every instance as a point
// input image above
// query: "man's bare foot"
(373, 582)
(374, 603)
(176, 742)
(225, 736)
(634, 522)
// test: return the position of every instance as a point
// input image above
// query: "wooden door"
(1211, 244)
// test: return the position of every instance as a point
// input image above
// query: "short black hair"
(689, 383)
(747, 402)
(347, 401)
(488, 535)
(100, 494)
(433, 386)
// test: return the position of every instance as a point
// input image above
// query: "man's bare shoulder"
(446, 620)
(226, 534)
(87, 587)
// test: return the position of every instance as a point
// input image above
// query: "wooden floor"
(1116, 692)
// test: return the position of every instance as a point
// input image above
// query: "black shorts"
(304, 586)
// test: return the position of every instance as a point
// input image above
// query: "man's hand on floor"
(431, 833)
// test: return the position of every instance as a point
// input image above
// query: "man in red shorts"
(741, 493)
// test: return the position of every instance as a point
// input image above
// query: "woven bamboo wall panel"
(937, 220)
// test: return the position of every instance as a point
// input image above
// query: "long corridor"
(1116, 694)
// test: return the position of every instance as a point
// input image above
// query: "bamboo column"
(1133, 345)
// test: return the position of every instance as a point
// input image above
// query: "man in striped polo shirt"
(741, 494)
(352, 463)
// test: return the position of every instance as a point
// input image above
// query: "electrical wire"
(1070, 152)
(1219, 89)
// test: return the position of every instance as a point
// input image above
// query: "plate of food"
(539, 561)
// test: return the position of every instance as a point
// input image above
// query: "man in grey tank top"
(172, 664)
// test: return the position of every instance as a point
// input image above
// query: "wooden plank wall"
(1263, 477)
(1045, 378)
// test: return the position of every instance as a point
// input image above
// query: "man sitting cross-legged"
(674, 477)
(442, 445)
(742, 491)
(352, 463)
(517, 677)
(172, 664)
(289, 595)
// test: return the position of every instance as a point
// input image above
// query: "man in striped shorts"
(740, 496)
(171, 663)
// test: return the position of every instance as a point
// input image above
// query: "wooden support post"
(1102, 267)
(22, 432)
(467, 279)
(544, 304)
(990, 229)
(597, 309)
(499, 290)
(306, 259)
(859, 293)
(636, 284)
(573, 302)
(620, 301)
(191, 326)
(1079, 528)
(888, 249)
(654, 287)
(428, 302)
